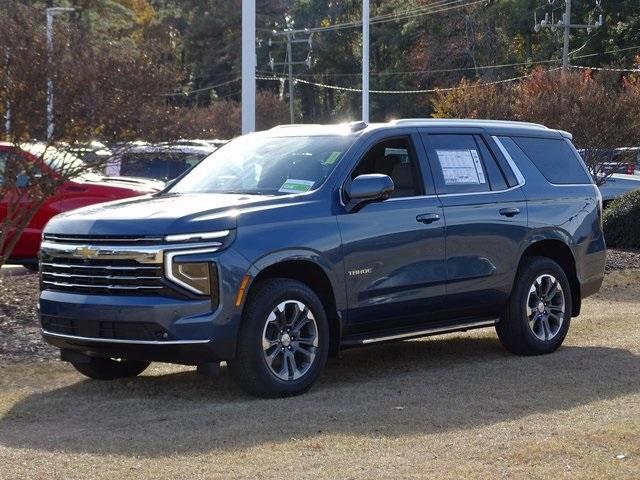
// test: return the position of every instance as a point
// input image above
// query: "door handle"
(428, 218)
(509, 212)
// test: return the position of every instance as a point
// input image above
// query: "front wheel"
(284, 340)
(110, 369)
(538, 315)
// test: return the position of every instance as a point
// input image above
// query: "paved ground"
(448, 407)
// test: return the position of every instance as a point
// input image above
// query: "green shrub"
(622, 221)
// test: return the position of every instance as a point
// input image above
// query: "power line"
(607, 52)
(403, 92)
(437, 7)
(198, 90)
(607, 69)
(420, 72)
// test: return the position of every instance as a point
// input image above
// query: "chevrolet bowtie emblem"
(86, 252)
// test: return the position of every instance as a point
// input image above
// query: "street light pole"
(248, 66)
(52, 12)
(365, 61)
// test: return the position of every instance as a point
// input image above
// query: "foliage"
(601, 112)
(622, 221)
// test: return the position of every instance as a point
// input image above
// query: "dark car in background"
(285, 246)
(162, 162)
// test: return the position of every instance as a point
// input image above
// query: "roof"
(354, 127)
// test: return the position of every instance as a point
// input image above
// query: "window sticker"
(331, 159)
(293, 185)
(461, 167)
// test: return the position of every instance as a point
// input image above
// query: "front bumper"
(149, 327)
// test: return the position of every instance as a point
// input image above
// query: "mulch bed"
(20, 338)
(622, 259)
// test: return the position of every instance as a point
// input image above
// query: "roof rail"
(403, 121)
(295, 125)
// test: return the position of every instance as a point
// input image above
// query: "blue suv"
(285, 246)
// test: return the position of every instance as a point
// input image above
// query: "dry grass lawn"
(447, 407)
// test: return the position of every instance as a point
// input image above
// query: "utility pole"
(52, 12)
(248, 66)
(365, 61)
(290, 65)
(566, 25)
(290, 37)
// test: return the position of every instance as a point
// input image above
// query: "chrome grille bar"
(107, 287)
(108, 277)
(102, 267)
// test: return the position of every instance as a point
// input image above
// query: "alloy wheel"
(545, 307)
(290, 340)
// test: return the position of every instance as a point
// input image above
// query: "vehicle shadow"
(416, 387)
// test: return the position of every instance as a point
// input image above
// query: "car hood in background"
(161, 215)
(143, 185)
(617, 185)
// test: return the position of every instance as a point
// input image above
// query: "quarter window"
(555, 159)
(395, 158)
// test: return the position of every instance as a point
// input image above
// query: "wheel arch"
(306, 269)
(560, 252)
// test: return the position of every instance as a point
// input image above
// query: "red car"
(87, 189)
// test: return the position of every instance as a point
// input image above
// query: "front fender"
(332, 271)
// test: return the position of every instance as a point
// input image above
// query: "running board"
(431, 331)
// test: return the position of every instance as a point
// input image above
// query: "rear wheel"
(110, 369)
(538, 315)
(284, 340)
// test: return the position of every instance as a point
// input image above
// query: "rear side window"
(555, 159)
(464, 164)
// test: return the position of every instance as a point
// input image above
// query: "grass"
(445, 407)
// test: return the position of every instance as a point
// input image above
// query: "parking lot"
(447, 407)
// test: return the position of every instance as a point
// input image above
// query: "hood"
(162, 215)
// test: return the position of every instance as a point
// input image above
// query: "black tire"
(514, 328)
(108, 369)
(32, 267)
(250, 368)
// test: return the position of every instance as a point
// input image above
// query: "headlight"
(198, 276)
(196, 237)
(193, 276)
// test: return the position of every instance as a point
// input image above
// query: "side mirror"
(366, 189)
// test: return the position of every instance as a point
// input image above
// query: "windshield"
(266, 165)
(63, 162)
(159, 165)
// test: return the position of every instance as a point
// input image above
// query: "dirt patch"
(20, 337)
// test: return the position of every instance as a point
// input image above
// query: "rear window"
(555, 159)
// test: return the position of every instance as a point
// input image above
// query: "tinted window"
(395, 158)
(554, 158)
(464, 164)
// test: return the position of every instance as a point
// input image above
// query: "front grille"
(103, 239)
(105, 329)
(121, 277)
